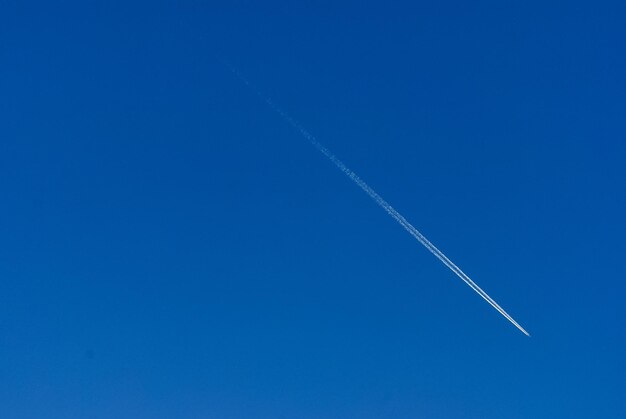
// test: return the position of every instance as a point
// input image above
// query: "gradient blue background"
(171, 248)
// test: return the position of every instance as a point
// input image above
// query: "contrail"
(378, 199)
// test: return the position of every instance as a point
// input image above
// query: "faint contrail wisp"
(379, 200)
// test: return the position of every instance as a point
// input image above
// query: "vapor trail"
(379, 200)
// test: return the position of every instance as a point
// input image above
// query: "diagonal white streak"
(380, 201)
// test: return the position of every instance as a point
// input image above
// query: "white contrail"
(380, 201)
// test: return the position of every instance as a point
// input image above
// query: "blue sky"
(170, 247)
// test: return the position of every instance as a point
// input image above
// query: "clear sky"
(171, 248)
